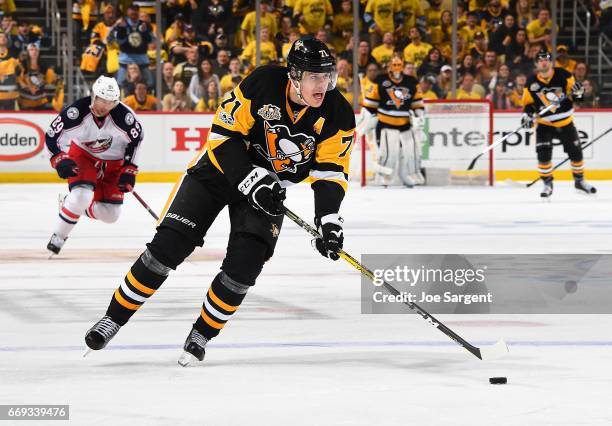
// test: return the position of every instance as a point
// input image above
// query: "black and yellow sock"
(142, 280)
(545, 170)
(578, 169)
(222, 299)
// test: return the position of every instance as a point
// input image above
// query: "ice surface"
(298, 352)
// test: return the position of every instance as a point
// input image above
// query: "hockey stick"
(567, 159)
(505, 138)
(144, 204)
(487, 353)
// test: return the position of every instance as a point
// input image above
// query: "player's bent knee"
(246, 255)
(79, 199)
(109, 213)
(169, 247)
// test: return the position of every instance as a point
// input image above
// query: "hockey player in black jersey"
(548, 85)
(93, 144)
(279, 126)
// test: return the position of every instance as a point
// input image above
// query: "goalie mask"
(310, 57)
(396, 68)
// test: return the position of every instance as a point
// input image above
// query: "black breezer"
(567, 135)
(201, 196)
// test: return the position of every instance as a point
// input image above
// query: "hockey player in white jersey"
(399, 112)
(93, 144)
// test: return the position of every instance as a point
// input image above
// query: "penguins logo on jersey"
(398, 95)
(99, 145)
(284, 150)
(550, 95)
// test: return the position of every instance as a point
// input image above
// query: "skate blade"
(87, 352)
(186, 359)
(51, 256)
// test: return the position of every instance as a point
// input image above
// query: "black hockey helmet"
(543, 54)
(310, 54)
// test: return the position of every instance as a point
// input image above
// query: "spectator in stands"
(446, 27)
(215, 13)
(268, 50)
(199, 82)
(133, 37)
(524, 15)
(605, 20)
(383, 53)
(563, 59)
(471, 28)
(133, 76)
(501, 36)
(247, 29)
(221, 41)
(209, 102)
(188, 40)
(479, 48)
(488, 69)
(416, 51)
(167, 78)
(342, 25)
(516, 52)
(590, 98)
(499, 97)
(21, 38)
(539, 30)
(311, 15)
(414, 16)
(10, 69)
(364, 58)
(175, 30)
(426, 85)
(526, 64)
(466, 90)
(284, 30)
(410, 69)
(444, 85)
(344, 82)
(433, 63)
(467, 66)
(84, 13)
(178, 99)
(382, 16)
(493, 16)
(230, 80)
(321, 35)
(141, 100)
(516, 93)
(173, 8)
(7, 7)
(367, 82)
(7, 25)
(433, 21)
(221, 63)
(186, 70)
(36, 81)
(581, 72)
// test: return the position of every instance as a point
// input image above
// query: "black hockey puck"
(498, 380)
(571, 286)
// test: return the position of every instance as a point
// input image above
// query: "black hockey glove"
(127, 178)
(64, 165)
(330, 228)
(577, 90)
(263, 192)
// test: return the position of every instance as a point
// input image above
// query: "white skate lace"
(107, 327)
(198, 339)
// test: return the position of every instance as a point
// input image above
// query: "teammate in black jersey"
(278, 127)
(551, 84)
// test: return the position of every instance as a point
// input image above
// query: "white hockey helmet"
(105, 88)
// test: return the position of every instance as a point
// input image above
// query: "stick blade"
(493, 352)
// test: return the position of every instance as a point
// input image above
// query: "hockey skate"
(55, 244)
(547, 190)
(584, 187)
(100, 334)
(194, 348)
